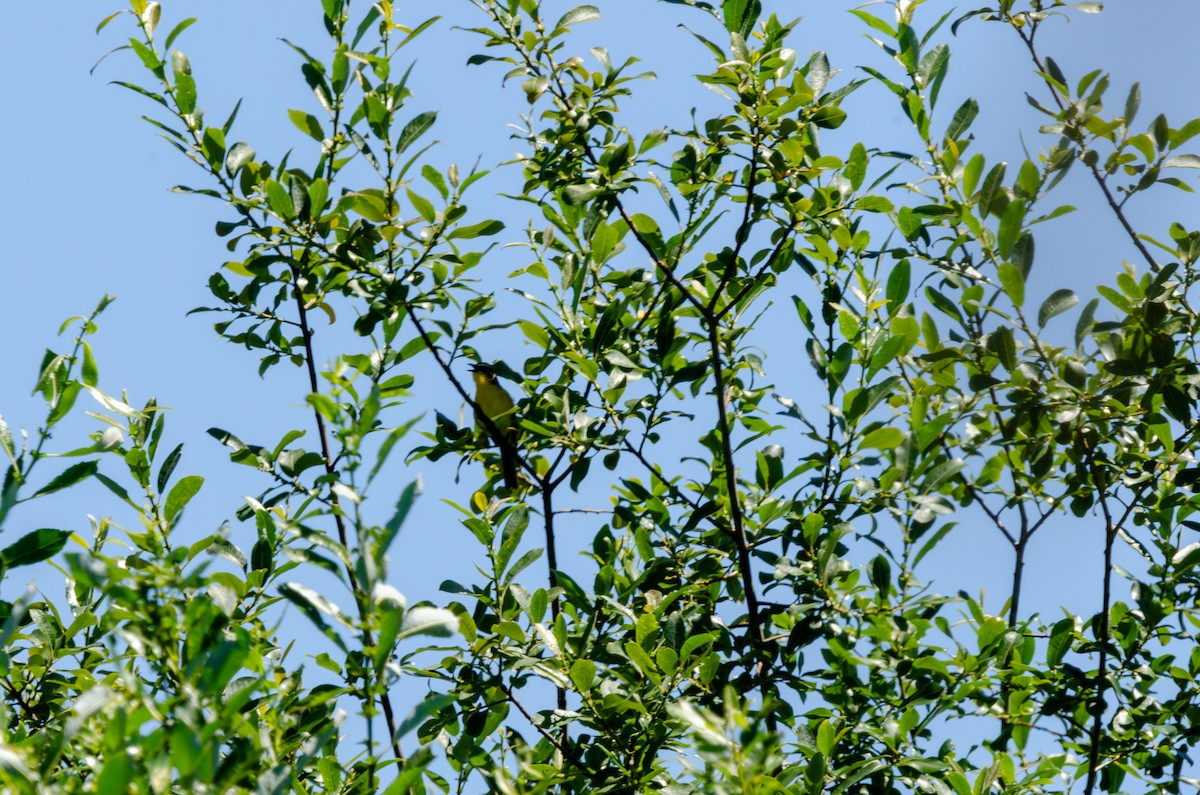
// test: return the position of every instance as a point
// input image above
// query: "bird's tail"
(508, 465)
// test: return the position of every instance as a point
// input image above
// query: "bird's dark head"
(483, 373)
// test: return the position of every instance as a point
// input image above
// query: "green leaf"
(583, 675)
(577, 15)
(979, 382)
(68, 477)
(280, 200)
(826, 738)
(1186, 557)
(580, 193)
(223, 548)
(875, 22)
(433, 703)
(963, 117)
(865, 400)
(1183, 134)
(829, 117)
(991, 187)
(423, 206)
(213, 147)
(971, 174)
(1062, 209)
(740, 15)
(943, 304)
(104, 22)
(695, 642)
(185, 94)
(6, 440)
(898, 284)
(238, 155)
(1058, 302)
(1029, 180)
(403, 505)
(1086, 318)
(933, 541)
(619, 361)
(312, 604)
(1060, 642)
(538, 602)
(307, 124)
(88, 372)
(116, 774)
(1001, 343)
(149, 59)
(534, 87)
(434, 178)
(1132, 103)
(849, 775)
(298, 190)
(874, 204)
(1182, 161)
(226, 438)
(53, 373)
(180, 494)
(318, 194)
(114, 405)
(638, 656)
(481, 229)
(66, 402)
(510, 536)
(655, 138)
(390, 614)
(175, 31)
(436, 621)
(885, 438)
(1125, 367)
(262, 555)
(415, 129)
(932, 71)
(228, 125)
(880, 572)
(1013, 282)
(33, 548)
(943, 472)
(856, 166)
(115, 488)
(168, 466)
(522, 563)
(817, 75)
(1010, 227)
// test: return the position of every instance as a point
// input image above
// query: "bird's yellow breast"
(493, 400)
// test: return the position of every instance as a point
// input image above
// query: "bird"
(492, 400)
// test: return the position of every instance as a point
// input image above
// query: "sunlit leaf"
(577, 15)
(33, 548)
(1058, 302)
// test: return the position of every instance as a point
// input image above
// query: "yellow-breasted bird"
(498, 405)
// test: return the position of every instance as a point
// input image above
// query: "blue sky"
(88, 209)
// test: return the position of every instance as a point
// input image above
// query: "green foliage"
(750, 613)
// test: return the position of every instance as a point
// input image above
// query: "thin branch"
(1101, 180)
(741, 235)
(738, 530)
(566, 750)
(338, 517)
(552, 565)
(1097, 708)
